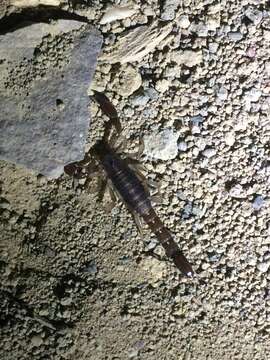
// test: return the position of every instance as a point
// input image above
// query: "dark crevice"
(41, 14)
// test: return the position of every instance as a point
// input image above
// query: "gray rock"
(258, 203)
(168, 10)
(187, 57)
(235, 36)
(253, 95)
(152, 93)
(140, 100)
(45, 127)
(222, 93)
(187, 210)
(182, 146)
(200, 29)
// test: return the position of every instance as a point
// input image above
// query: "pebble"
(161, 145)
(254, 15)
(222, 93)
(37, 340)
(213, 47)
(183, 21)
(258, 203)
(66, 301)
(200, 29)
(140, 100)
(237, 191)
(162, 85)
(117, 13)
(196, 124)
(263, 267)
(189, 58)
(182, 146)
(235, 36)
(128, 82)
(210, 152)
(253, 95)
(230, 138)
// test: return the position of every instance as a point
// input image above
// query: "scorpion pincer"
(131, 190)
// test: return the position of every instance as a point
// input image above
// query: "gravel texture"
(78, 282)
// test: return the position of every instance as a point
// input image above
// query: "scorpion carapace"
(131, 190)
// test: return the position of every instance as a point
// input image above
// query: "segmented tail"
(166, 240)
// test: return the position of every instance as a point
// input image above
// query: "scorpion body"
(137, 199)
(129, 186)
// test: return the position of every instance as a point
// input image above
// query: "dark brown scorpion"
(130, 189)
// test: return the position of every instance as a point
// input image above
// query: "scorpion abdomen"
(126, 182)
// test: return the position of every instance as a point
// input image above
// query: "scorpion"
(128, 185)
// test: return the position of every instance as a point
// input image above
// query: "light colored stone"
(254, 15)
(182, 146)
(34, 3)
(187, 57)
(154, 269)
(183, 21)
(230, 138)
(161, 145)
(222, 93)
(263, 267)
(37, 340)
(253, 95)
(209, 152)
(162, 85)
(235, 36)
(258, 203)
(237, 191)
(117, 13)
(128, 81)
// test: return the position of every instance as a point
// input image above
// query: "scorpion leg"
(140, 151)
(139, 224)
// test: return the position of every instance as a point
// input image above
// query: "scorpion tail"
(182, 263)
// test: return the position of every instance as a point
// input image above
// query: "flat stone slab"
(44, 117)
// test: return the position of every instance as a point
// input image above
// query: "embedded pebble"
(182, 146)
(209, 152)
(188, 57)
(253, 95)
(263, 267)
(222, 93)
(183, 21)
(237, 191)
(36, 340)
(230, 138)
(235, 36)
(161, 145)
(258, 203)
(128, 82)
(117, 13)
(162, 85)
